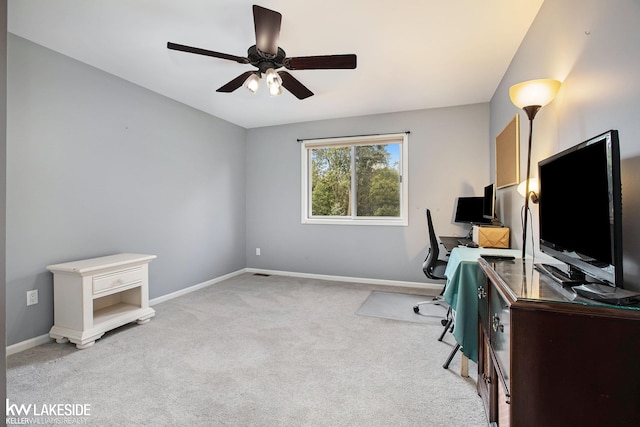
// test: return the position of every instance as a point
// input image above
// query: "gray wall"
(592, 47)
(448, 157)
(96, 166)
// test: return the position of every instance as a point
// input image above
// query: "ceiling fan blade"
(235, 83)
(205, 52)
(321, 62)
(267, 25)
(294, 86)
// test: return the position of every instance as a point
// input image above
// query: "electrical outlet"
(258, 251)
(32, 297)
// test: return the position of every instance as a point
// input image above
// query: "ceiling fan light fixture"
(252, 83)
(272, 77)
(274, 81)
(275, 90)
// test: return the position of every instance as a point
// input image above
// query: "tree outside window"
(358, 180)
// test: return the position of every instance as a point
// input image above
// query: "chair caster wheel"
(416, 309)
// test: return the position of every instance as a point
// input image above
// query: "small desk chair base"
(437, 300)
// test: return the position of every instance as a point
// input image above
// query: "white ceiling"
(412, 54)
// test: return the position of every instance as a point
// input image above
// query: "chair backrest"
(434, 251)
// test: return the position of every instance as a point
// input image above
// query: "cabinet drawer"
(500, 333)
(483, 303)
(117, 279)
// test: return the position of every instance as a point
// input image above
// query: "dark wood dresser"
(547, 359)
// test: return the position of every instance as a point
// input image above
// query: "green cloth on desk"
(464, 276)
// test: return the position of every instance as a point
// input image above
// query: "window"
(356, 180)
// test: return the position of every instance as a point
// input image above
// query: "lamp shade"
(534, 92)
(274, 81)
(252, 83)
(533, 186)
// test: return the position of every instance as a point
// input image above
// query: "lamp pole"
(531, 111)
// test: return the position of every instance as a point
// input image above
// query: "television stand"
(544, 360)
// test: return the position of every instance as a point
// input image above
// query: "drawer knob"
(496, 324)
(482, 292)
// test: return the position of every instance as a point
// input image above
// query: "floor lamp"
(531, 96)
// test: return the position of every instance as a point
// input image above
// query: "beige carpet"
(256, 351)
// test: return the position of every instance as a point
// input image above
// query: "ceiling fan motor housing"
(264, 60)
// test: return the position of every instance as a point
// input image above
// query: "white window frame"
(396, 138)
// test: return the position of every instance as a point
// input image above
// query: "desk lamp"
(531, 96)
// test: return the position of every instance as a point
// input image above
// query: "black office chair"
(433, 267)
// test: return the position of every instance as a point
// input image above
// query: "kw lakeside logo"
(47, 413)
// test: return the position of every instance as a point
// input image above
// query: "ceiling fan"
(267, 57)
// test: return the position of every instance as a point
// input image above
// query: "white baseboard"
(194, 288)
(43, 339)
(27, 344)
(382, 282)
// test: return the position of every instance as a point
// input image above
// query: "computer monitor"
(469, 210)
(489, 202)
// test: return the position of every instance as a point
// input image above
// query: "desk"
(461, 292)
(449, 242)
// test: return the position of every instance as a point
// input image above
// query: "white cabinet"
(95, 295)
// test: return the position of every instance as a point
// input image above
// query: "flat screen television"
(580, 208)
(469, 210)
(488, 202)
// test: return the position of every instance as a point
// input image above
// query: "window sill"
(339, 221)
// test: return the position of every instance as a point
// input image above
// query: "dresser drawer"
(483, 303)
(500, 332)
(117, 279)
